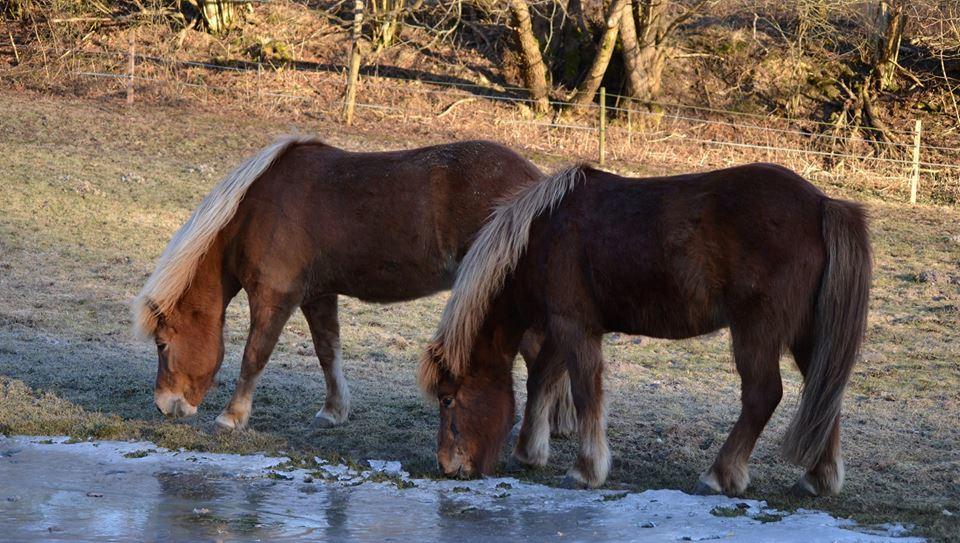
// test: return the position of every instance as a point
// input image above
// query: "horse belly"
(659, 294)
(659, 317)
(393, 280)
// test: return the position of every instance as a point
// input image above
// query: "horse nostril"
(158, 409)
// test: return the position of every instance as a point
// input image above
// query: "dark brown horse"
(756, 248)
(298, 224)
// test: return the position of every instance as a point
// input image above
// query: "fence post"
(603, 125)
(630, 122)
(16, 54)
(131, 66)
(351, 96)
(259, 82)
(915, 174)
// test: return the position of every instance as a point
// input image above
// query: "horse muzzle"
(174, 405)
(455, 468)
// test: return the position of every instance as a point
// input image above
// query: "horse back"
(383, 226)
(681, 256)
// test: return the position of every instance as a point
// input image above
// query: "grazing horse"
(298, 224)
(755, 248)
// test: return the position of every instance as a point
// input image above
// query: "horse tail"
(178, 263)
(492, 256)
(839, 324)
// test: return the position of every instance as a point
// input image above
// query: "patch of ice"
(388, 467)
(338, 471)
(109, 451)
(356, 503)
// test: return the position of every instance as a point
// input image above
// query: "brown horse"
(295, 226)
(756, 248)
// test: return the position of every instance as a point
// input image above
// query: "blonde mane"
(178, 263)
(494, 255)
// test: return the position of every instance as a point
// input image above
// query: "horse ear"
(428, 372)
(144, 314)
(155, 312)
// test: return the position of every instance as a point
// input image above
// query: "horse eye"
(447, 401)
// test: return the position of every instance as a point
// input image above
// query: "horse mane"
(495, 253)
(178, 263)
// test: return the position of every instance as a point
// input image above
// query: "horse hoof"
(514, 464)
(703, 489)
(803, 489)
(708, 485)
(322, 421)
(223, 425)
(572, 483)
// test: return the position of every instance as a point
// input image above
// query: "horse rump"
(840, 320)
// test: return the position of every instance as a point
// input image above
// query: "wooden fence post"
(259, 82)
(630, 122)
(16, 54)
(351, 96)
(131, 66)
(915, 174)
(603, 125)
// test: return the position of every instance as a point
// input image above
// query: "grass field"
(90, 192)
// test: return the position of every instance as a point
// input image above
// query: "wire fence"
(649, 137)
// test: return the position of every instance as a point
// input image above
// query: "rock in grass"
(928, 276)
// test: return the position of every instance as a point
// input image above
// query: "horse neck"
(205, 300)
(498, 342)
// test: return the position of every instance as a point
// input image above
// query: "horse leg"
(269, 311)
(544, 370)
(757, 358)
(825, 478)
(563, 415)
(325, 329)
(583, 358)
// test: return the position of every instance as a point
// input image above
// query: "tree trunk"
(890, 20)
(645, 40)
(217, 16)
(590, 84)
(575, 48)
(17, 9)
(652, 33)
(534, 70)
(631, 51)
(881, 51)
(386, 19)
(356, 52)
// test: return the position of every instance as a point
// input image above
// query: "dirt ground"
(90, 192)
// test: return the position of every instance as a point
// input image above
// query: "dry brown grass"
(93, 190)
(466, 98)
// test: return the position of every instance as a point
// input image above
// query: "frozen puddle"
(53, 490)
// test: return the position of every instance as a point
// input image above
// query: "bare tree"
(645, 31)
(16, 9)
(588, 87)
(534, 70)
(631, 53)
(882, 52)
(386, 16)
(574, 44)
(890, 20)
(217, 16)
